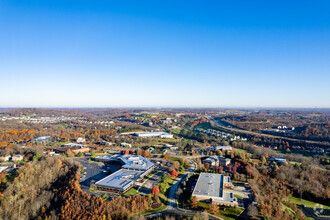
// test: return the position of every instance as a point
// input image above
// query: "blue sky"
(78, 53)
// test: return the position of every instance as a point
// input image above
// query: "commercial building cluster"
(134, 168)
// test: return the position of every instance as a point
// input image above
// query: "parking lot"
(94, 171)
(240, 190)
(151, 182)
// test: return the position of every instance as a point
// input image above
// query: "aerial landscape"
(164, 110)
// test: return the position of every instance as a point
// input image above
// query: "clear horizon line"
(161, 107)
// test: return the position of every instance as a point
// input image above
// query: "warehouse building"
(42, 139)
(210, 188)
(154, 135)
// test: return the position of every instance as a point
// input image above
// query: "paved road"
(310, 212)
(264, 135)
(172, 207)
(171, 196)
(172, 204)
(176, 212)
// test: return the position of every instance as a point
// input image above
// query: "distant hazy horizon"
(172, 54)
(166, 108)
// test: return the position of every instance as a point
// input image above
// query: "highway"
(217, 125)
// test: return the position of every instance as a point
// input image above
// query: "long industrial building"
(120, 181)
(210, 188)
(134, 168)
(154, 135)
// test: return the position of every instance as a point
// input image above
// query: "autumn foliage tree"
(145, 154)
(35, 186)
(207, 166)
(194, 202)
(166, 156)
(173, 173)
(155, 190)
(176, 165)
(69, 153)
(213, 208)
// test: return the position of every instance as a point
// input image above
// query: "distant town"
(213, 164)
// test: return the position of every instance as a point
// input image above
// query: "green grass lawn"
(131, 192)
(164, 201)
(60, 143)
(240, 150)
(238, 196)
(303, 152)
(62, 125)
(316, 167)
(236, 181)
(159, 209)
(174, 159)
(227, 213)
(284, 208)
(176, 131)
(204, 126)
(163, 197)
(100, 154)
(295, 163)
(203, 205)
(310, 204)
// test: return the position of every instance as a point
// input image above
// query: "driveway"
(239, 190)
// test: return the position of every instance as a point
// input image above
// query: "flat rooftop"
(129, 161)
(135, 162)
(41, 138)
(74, 145)
(152, 133)
(120, 179)
(222, 147)
(211, 185)
(107, 157)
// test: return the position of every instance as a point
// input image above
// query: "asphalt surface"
(94, 171)
(151, 182)
(311, 212)
(239, 189)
